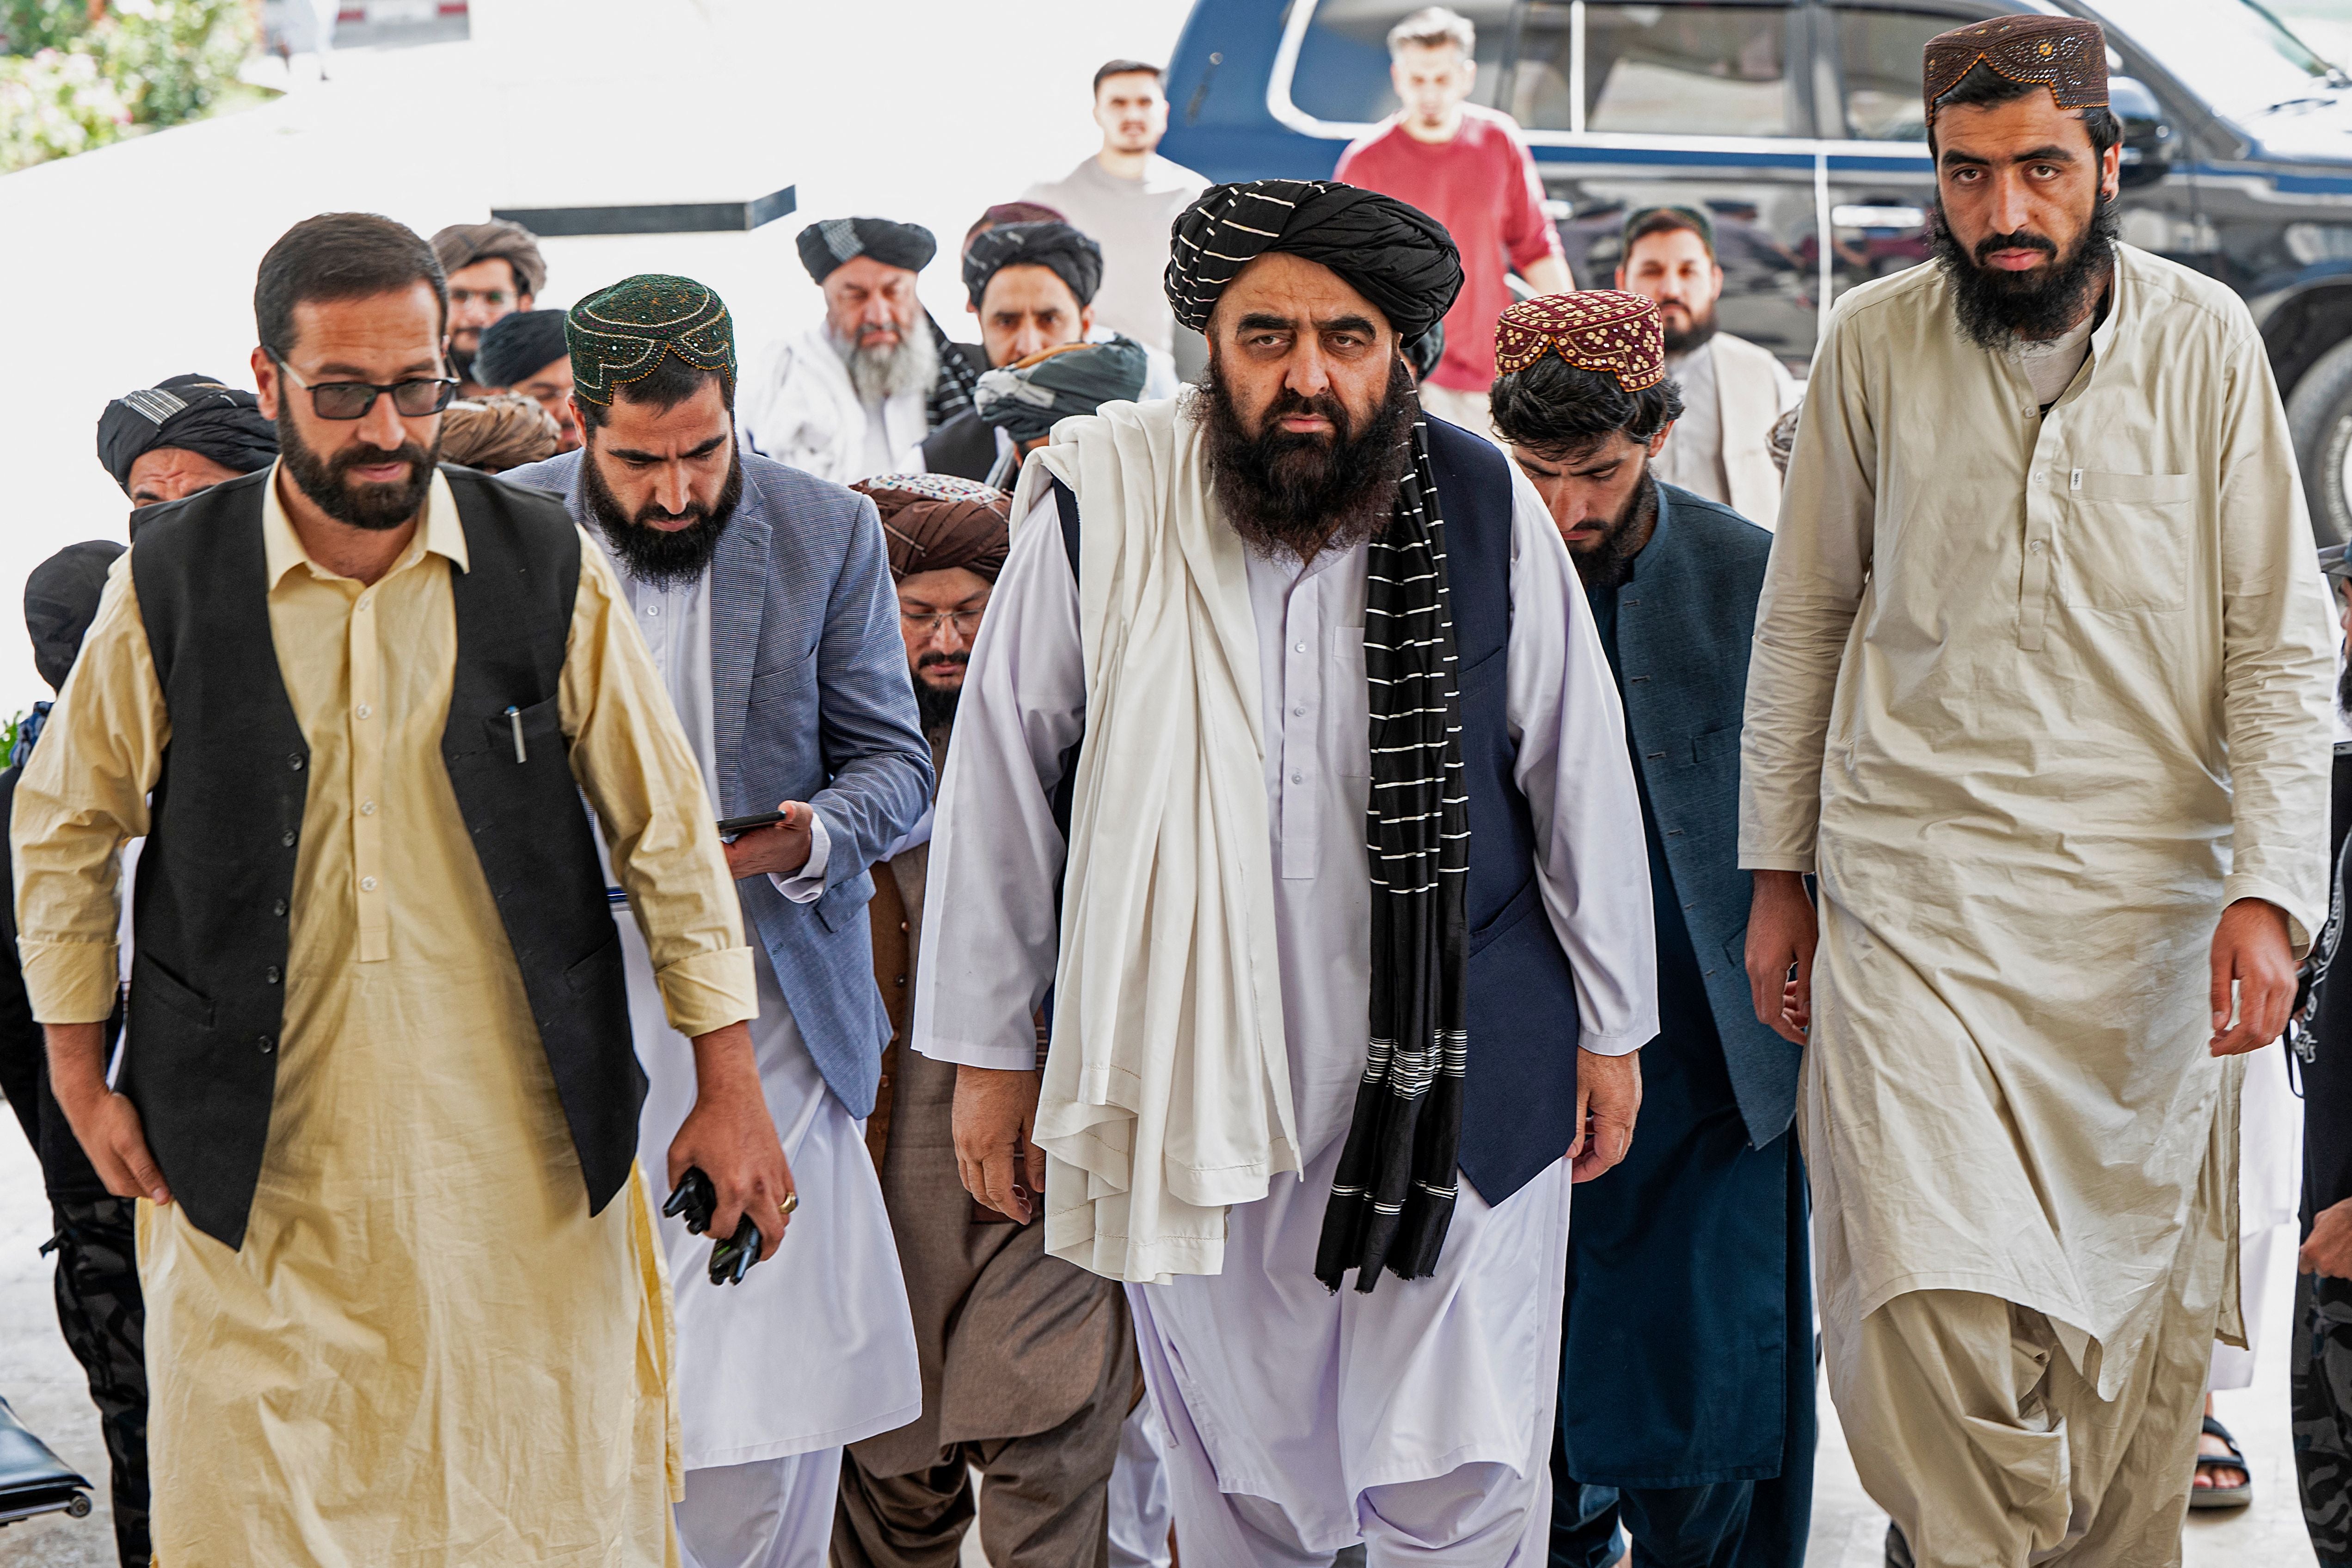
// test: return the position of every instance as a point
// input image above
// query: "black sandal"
(2238, 1496)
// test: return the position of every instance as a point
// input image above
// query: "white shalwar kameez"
(800, 407)
(815, 1349)
(1417, 1419)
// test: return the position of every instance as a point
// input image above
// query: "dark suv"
(1798, 123)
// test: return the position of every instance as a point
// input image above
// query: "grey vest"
(217, 876)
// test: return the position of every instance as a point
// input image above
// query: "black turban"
(1071, 256)
(193, 412)
(1396, 255)
(60, 602)
(517, 343)
(826, 246)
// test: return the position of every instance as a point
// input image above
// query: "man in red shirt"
(1467, 168)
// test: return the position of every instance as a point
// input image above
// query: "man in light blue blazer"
(1686, 1367)
(764, 596)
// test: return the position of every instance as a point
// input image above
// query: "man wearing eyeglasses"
(378, 1097)
(494, 270)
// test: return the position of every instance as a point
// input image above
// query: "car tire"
(2319, 420)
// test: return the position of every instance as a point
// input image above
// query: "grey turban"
(1070, 256)
(1396, 255)
(826, 246)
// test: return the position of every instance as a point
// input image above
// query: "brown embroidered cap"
(2064, 53)
(1593, 329)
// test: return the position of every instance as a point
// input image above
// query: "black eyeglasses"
(352, 399)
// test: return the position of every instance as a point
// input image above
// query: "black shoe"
(1898, 1550)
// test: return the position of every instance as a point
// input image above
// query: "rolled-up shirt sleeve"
(634, 764)
(82, 796)
(1591, 856)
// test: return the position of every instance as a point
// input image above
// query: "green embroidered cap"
(619, 335)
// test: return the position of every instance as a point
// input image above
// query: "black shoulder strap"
(1066, 504)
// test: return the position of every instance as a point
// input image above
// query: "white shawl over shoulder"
(1167, 1091)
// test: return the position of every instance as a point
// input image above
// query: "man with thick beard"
(1733, 391)
(764, 596)
(1288, 698)
(1686, 1362)
(382, 1112)
(855, 394)
(2040, 694)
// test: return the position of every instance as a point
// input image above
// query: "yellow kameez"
(427, 1352)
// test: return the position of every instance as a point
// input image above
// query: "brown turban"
(463, 243)
(503, 431)
(935, 522)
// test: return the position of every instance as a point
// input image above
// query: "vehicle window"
(1878, 61)
(1703, 70)
(2234, 56)
(1342, 73)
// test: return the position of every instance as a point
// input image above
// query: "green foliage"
(8, 733)
(70, 82)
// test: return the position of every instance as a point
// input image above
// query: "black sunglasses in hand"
(352, 399)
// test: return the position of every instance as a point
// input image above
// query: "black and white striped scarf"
(952, 388)
(1392, 1196)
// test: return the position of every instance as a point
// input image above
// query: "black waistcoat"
(216, 895)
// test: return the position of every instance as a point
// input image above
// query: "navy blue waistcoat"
(1518, 1110)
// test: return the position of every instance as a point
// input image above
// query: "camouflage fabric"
(105, 1320)
(2322, 1405)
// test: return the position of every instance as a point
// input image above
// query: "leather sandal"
(2238, 1496)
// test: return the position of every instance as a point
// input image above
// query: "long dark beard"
(1996, 309)
(1610, 564)
(1298, 495)
(327, 480)
(664, 560)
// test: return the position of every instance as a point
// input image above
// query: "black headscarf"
(1396, 255)
(193, 412)
(1026, 402)
(1073, 258)
(826, 246)
(60, 602)
(517, 343)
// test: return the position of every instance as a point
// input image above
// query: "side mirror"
(2147, 137)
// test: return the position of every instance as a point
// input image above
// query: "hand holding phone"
(775, 843)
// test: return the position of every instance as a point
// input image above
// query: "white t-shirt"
(1129, 219)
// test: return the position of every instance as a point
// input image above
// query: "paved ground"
(44, 1382)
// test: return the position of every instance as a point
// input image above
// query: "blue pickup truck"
(1798, 123)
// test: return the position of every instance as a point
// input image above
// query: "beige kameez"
(2036, 695)
(427, 1352)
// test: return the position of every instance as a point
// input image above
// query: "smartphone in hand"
(729, 826)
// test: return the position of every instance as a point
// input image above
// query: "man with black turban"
(1032, 286)
(855, 394)
(187, 435)
(525, 353)
(1290, 705)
